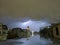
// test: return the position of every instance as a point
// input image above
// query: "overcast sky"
(35, 9)
(15, 10)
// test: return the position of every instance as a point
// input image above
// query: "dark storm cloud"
(35, 9)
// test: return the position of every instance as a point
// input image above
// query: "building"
(54, 31)
(3, 32)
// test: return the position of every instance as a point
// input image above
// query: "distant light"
(32, 33)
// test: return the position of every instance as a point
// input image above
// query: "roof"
(54, 25)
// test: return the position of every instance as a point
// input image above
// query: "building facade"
(3, 32)
(55, 31)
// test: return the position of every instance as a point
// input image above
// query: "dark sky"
(12, 12)
(35, 9)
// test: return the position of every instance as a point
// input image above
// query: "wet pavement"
(33, 40)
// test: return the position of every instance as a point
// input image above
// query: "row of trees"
(17, 32)
(46, 32)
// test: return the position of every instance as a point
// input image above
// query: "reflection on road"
(33, 40)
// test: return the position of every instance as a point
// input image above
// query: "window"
(5, 27)
(57, 32)
(0, 28)
(0, 25)
(4, 32)
(0, 32)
